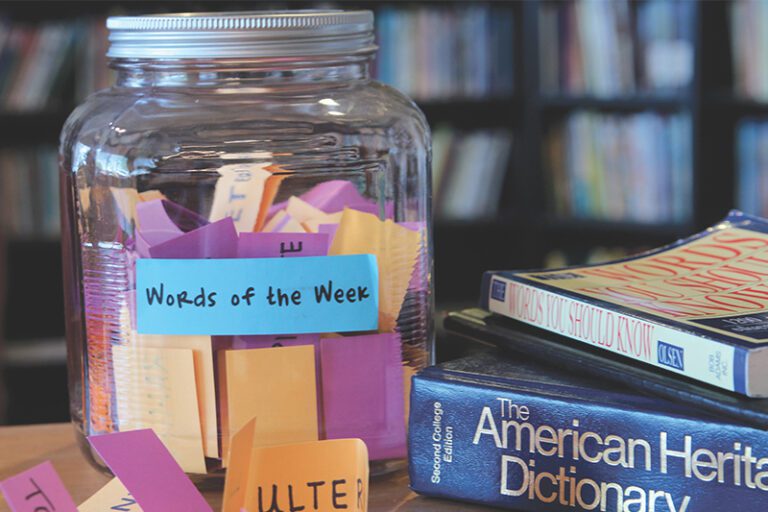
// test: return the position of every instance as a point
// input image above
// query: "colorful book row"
(438, 53)
(619, 47)
(29, 191)
(621, 167)
(468, 172)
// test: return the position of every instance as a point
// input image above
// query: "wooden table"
(24, 447)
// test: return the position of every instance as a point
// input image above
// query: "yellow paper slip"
(155, 388)
(319, 475)
(274, 385)
(396, 249)
(204, 380)
(113, 496)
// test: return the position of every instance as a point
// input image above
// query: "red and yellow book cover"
(698, 307)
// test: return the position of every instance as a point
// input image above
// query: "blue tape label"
(670, 355)
(257, 296)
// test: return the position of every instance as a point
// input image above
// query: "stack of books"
(442, 53)
(618, 47)
(468, 172)
(612, 167)
(29, 192)
(634, 385)
(749, 46)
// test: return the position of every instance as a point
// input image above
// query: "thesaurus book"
(698, 307)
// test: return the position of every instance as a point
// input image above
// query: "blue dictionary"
(522, 436)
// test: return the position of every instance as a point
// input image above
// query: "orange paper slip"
(320, 475)
(396, 249)
(277, 386)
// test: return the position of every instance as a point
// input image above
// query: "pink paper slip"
(281, 245)
(362, 386)
(146, 468)
(161, 220)
(38, 489)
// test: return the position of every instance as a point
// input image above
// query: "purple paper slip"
(215, 240)
(161, 220)
(165, 215)
(335, 195)
(332, 196)
(328, 229)
(38, 489)
(281, 245)
(149, 472)
(363, 395)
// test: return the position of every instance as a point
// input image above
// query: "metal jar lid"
(233, 35)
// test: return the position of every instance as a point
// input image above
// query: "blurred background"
(564, 132)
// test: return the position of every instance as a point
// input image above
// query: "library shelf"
(32, 127)
(469, 113)
(614, 232)
(639, 102)
(743, 105)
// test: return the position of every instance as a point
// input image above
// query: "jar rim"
(255, 34)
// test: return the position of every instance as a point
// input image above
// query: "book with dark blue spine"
(572, 357)
(519, 435)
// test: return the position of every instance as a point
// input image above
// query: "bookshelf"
(526, 228)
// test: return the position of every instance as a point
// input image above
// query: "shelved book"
(749, 48)
(698, 307)
(468, 171)
(442, 53)
(617, 47)
(29, 191)
(619, 167)
(524, 436)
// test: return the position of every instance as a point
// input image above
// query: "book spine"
(703, 359)
(521, 449)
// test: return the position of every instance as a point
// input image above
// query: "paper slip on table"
(26, 446)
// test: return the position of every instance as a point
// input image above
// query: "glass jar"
(246, 233)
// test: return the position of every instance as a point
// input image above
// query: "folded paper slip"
(275, 385)
(362, 389)
(156, 388)
(320, 475)
(146, 468)
(396, 249)
(38, 489)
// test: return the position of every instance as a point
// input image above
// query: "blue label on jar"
(257, 296)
